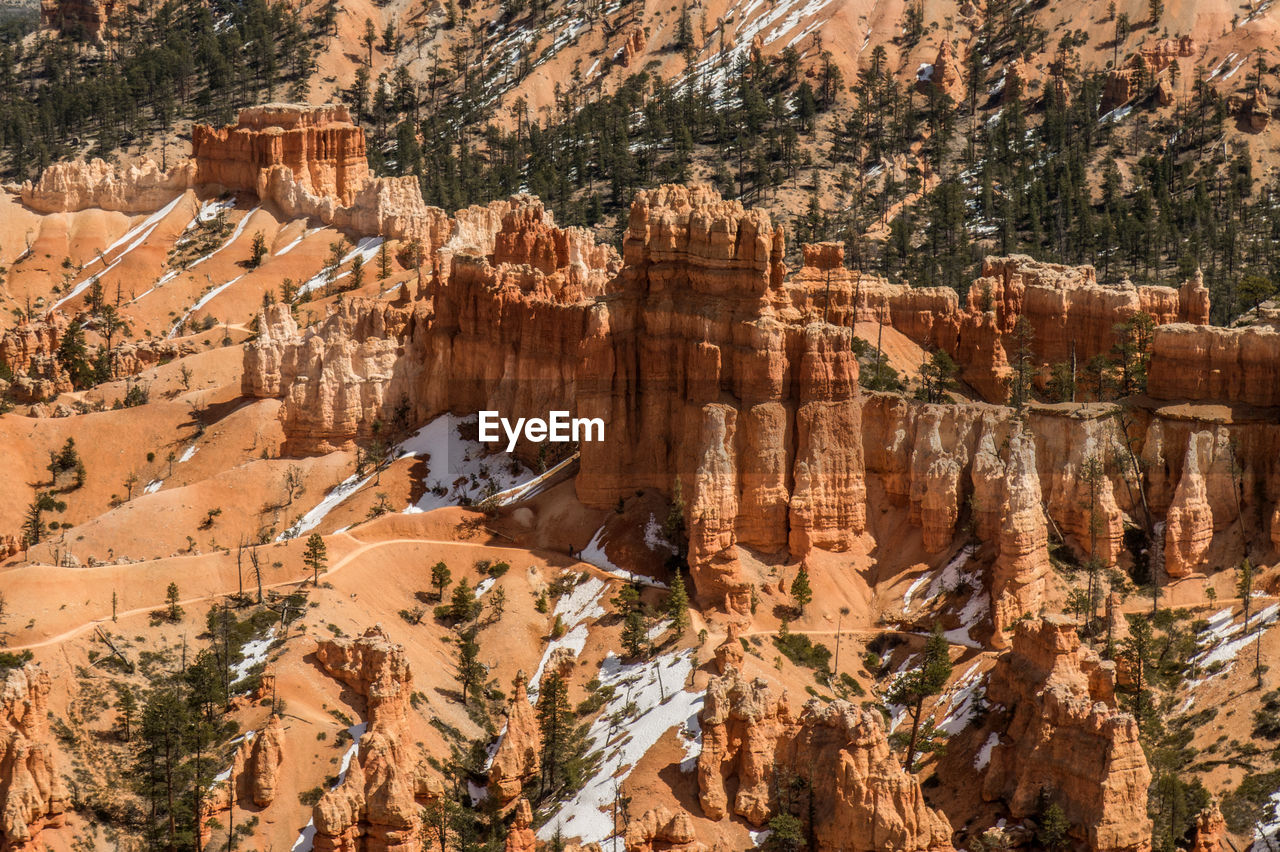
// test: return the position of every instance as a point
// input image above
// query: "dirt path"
(362, 548)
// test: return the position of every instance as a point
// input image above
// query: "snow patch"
(984, 754)
(656, 689)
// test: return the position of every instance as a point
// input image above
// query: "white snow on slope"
(656, 688)
(574, 610)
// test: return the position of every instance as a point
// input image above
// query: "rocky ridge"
(1059, 731)
(375, 806)
(867, 801)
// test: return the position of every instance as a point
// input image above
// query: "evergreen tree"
(127, 707)
(33, 528)
(441, 576)
(801, 591)
(1023, 365)
(937, 376)
(258, 250)
(914, 687)
(677, 606)
(1137, 652)
(384, 262)
(471, 672)
(556, 728)
(357, 272)
(172, 597)
(73, 356)
(463, 606)
(316, 557)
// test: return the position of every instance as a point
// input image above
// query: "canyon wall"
(713, 377)
(866, 801)
(32, 792)
(1068, 312)
(708, 378)
(85, 20)
(1201, 363)
(1059, 731)
(320, 145)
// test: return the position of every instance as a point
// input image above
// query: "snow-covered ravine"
(593, 554)
(656, 688)
(574, 610)
(252, 653)
(138, 235)
(1224, 639)
(458, 473)
(976, 608)
(365, 249)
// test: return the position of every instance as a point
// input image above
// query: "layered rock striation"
(140, 187)
(859, 796)
(1068, 312)
(707, 377)
(1233, 365)
(1061, 735)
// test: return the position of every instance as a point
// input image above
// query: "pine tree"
(127, 707)
(357, 272)
(914, 687)
(463, 606)
(384, 262)
(677, 606)
(471, 672)
(556, 728)
(172, 597)
(1136, 651)
(316, 556)
(258, 250)
(73, 356)
(441, 576)
(33, 528)
(370, 38)
(801, 591)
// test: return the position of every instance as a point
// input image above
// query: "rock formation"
(742, 723)
(517, 759)
(29, 350)
(86, 20)
(662, 830)
(521, 837)
(32, 792)
(375, 806)
(1054, 708)
(1256, 111)
(140, 187)
(1189, 523)
(1212, 363)
(265, 758)
(336, 380)
(1122, 84)
(1068, 311)
(321, 147)
(945, 74)
(866, 802)
(1211, 830)
(714, 373)
(1020, 575)
(701, 362)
